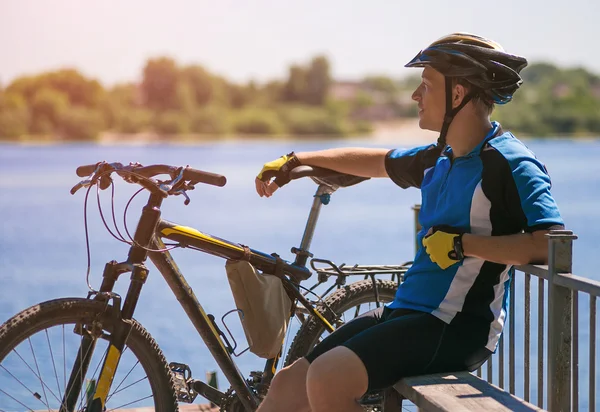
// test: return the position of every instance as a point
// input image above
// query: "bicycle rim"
(40, 346)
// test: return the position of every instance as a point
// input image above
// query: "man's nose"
(416, 96)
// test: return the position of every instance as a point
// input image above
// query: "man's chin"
(423, 124)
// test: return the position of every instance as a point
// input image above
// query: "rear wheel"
(341, 307)
(338, 308)
(40, 347)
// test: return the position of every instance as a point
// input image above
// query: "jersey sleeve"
(528, 196)
(406, 168)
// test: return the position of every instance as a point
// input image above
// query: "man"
(486, 205)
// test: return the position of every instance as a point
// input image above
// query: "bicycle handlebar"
(189, 174)
(182, 178)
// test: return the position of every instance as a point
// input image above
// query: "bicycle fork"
(97, 394)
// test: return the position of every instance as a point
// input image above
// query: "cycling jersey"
(499, 188)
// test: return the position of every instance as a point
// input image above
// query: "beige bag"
(265, 306)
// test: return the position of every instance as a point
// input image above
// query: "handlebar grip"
(196, 175)
(86, 170)
(327, 176)
(312, 171)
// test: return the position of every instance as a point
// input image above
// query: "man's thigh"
(346, 332)
(398, 347)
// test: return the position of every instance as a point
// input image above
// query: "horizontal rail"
(577, 283)
(541, 271)
(567, 280)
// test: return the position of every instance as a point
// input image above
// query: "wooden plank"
(460, 391)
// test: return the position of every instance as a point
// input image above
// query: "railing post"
(417, 209)
(560, 260)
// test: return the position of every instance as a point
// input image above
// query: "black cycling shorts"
(396, 343)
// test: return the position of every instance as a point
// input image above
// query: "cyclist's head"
(462, 68)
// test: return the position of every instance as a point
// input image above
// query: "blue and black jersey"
(499, 188)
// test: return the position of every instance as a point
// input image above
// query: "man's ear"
(458, 94)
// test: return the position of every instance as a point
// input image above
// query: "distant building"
(371, 104)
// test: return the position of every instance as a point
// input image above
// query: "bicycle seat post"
(321, 198)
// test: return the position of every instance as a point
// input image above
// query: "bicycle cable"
(120, 236)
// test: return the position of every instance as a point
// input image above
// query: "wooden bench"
(461, 391)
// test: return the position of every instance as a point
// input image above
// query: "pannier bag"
(265, 305)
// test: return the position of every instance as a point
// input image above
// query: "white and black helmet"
(493, 73)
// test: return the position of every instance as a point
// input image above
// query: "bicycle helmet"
(493, 73)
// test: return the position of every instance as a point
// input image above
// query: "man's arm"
(527, 199)
(365, 162)
(519, 249)
(404, 167)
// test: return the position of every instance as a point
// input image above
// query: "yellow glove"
(444, 246)
(279, 169)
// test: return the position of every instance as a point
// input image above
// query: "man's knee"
(290, 380)
(338, 372)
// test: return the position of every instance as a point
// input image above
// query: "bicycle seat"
(326, 176)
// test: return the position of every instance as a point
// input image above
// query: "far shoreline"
(398, 132)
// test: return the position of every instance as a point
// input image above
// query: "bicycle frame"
(149, 233)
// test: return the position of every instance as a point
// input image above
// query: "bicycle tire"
(341, 300)
(69, 311)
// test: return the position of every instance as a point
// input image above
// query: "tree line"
(171, 99)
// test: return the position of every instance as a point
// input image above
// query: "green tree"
(81, 123)
(119, 100)
(133, 120)
(47, 107)
(210, 120)
(381, 84)
(78, 89)
(172, 122)
(258, 121)
(159, 84)
(200, 83)
(295, 87)
(536, 72)
(318, 80)
(14, 115)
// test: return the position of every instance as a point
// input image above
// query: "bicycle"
(104, 317)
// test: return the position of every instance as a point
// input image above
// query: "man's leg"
(336, 381)
(288, 390)
(374, 359)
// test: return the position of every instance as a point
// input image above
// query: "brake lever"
(83, 183)
(183, 192)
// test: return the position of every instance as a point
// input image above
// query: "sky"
(110, 40)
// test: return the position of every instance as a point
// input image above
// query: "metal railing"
(559, 331)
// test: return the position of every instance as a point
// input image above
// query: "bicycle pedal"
(183, 382)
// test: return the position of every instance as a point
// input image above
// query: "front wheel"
(39, 351)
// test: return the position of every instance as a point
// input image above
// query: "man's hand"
(275, 174)
(443, 244)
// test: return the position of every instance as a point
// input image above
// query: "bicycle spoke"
(28, 408)
(101, 362)
(356, 312)
(81, 391)
(70, 389)
(40, 375)
(121, 383)
(53, 364)
(40, 379)
(18, 380)
(126, 404)
(94, 374)
(64, 360)
(129, 386)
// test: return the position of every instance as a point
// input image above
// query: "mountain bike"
(91, 354)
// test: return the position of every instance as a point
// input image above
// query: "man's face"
(431, 98)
